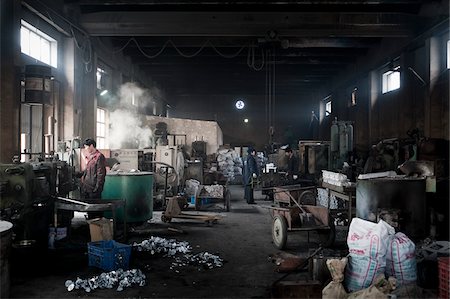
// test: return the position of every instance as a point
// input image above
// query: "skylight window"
(38, 45)
(448, 54)
(328, 108)
(391, 80)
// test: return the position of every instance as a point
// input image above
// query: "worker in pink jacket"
(93, 177)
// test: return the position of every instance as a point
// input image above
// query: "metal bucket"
(5, 248)
(136, 188)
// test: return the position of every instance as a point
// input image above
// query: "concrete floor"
(242, 239)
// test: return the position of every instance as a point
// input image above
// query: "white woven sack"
(367, 243)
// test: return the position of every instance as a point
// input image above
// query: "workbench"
(346, 193)
(94, 205)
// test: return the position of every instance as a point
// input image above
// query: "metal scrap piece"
(107, 280)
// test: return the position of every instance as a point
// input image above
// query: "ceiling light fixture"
(240, 104)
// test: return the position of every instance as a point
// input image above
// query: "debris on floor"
(172, 247)
(204, 260)
(108, 280)
(286, 262)
(161, 245)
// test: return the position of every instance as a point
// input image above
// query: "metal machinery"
(27, 192)
(165, 161)
(341, 144)
(401, 201)
(313, 158)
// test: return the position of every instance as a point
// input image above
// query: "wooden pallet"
(173, 211)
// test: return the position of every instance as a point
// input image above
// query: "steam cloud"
(126, 127)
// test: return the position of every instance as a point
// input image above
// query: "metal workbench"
(95, 205)
(346, 193)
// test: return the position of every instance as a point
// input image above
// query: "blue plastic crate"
(109, 255)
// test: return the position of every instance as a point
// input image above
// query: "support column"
(9, 79)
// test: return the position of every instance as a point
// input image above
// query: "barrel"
(134, 187)
(5, 248)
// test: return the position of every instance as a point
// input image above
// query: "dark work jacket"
(250, 168)
(93, 177)
(292, 165)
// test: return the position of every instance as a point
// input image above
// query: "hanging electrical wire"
(227, 55)
(270, 91)
(251, 58)
(169, 41)
(86, 50)
(148, 55)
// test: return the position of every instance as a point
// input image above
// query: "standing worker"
(292, 165)
(93, 177)
(251, 171)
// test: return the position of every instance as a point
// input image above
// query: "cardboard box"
(101, 229)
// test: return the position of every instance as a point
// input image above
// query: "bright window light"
(100, 73)
(328, 108)
(448, 54)
(353, 97)
(101, 128)
(38, 45)
(391, 80)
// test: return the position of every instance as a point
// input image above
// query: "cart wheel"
(307, 198)
(327, 237)
(165, 219)
(279, 232)
(227, 200)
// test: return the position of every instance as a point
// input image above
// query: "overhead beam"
(222, 24)
(272, 6)
(238, 42)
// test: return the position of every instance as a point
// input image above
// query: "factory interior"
(224, 149)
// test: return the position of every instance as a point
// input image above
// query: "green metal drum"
(136, 188)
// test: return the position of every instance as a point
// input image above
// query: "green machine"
(134, 187)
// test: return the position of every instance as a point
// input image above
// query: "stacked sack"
(376, 250)
(229, 163)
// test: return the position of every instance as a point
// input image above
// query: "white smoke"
(126, 127)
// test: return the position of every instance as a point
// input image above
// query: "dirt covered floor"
(242, 239)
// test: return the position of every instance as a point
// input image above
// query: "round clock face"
(240, 104)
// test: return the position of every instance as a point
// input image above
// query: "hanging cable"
(86, 49)
(251, 58)
(225, 55)
(273, 84)
(189, 55)
(151, 56)
(207, 42)
(266, 98)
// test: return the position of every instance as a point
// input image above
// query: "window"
(100, 78)
(448, 54)
(353, 97)
(101, 128)
(328, 108)
(391, 80)
(38, 45)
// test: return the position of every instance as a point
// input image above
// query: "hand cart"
(294, 210)
(204, 197)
